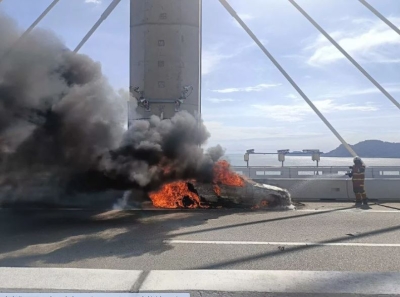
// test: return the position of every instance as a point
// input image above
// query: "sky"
(246, 102)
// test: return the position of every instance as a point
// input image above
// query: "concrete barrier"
(311, 183)
(307, 189)
(259, 172)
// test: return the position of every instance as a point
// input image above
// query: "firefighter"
(358, 177)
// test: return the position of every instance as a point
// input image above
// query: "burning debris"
(62, 131)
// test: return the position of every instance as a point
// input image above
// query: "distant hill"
(369, 149)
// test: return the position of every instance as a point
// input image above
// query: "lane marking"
(358, 210)
(215, 242)
(349, 210)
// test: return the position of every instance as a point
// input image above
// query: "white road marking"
(349, 210)
(354, 244)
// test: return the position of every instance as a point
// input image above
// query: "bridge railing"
(331, 172)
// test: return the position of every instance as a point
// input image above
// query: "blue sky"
(246, 102)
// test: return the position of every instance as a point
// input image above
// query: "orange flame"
(224, 175)
(217, 190)
(175, 195)
(178, 195)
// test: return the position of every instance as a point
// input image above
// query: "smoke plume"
(59, 115)
(56, 108)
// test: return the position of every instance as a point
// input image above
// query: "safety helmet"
(357, 159)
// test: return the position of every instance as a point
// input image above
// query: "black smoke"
(59, 116)
(56, 108)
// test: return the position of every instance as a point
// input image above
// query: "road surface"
(331, 242)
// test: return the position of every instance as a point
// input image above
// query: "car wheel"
(264, 203)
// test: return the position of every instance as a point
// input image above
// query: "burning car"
(228, 189)
(251, 194)
(200, 195)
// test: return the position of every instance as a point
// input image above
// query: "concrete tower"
(165, 49)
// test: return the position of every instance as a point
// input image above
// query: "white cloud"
(391, 88)
(291, 96)
(93, 1)
(262, 137)
(210, 61)
(212, 57)
(300, 111)
(224, 132)
(374, 91)
(366, 44)
(257, 88)
(220, 100)
(246, 16)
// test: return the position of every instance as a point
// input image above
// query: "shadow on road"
(387, 206)
(55, 237)
(62, 236)
(263, 221)
(279, 253)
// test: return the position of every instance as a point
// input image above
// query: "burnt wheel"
(264, 203)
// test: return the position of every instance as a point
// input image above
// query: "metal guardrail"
(332, 172)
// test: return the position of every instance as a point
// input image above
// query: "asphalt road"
(328, 237)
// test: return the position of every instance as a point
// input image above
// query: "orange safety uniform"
(358, 178)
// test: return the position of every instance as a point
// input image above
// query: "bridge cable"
(379, 15)
(27, 31)
(286, 75)
(358, 66)
(103, 16)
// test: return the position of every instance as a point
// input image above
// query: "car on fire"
(246, 194)
(251, 194)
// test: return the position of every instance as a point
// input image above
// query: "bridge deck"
(330, 237)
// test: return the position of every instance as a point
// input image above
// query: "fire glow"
(179, 195)
(175, 195)
(224, 175)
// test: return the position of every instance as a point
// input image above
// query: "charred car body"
(195, 194)
(252, 194)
